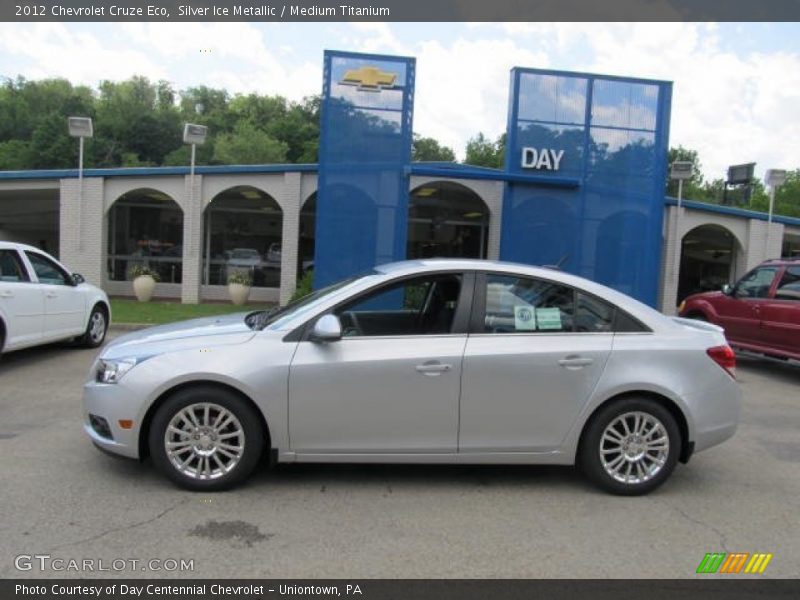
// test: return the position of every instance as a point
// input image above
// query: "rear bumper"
(716, 413)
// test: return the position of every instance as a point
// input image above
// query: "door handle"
(7, 295)
(575, 362)
(51, 295)
(432, 368)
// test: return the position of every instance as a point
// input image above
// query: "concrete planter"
(143, 287)
(238, 293)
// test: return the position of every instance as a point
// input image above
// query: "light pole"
(680, 170)
(194, 135)
(80, 127)
(774, 178)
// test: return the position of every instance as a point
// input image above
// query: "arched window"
(446, 219)
(243, 230)
(145, 227)
(708, 260)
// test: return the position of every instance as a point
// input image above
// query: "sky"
(736, 95)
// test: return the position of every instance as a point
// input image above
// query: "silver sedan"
(434, 361)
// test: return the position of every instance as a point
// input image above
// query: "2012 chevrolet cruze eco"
(435, 361)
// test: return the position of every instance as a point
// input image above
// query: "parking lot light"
(80, 127)
(774, 178)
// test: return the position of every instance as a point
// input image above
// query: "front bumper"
(113, 403)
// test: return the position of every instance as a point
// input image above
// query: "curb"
(129, 326)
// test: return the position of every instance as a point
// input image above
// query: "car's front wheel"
(206, 438)
(631, 446)
(96, 329)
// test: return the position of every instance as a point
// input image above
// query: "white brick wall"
(192, 205)
(83, 236)
(290, 200)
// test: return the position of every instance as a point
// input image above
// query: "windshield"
(276, 317)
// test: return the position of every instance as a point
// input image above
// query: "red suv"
(760, 313)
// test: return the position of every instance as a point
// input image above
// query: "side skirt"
(465, 458)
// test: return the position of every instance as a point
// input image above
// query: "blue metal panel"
(611, 135)
(365, 145)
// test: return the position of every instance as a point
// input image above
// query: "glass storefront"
(708, 260)
(307, 234)
(446, 219)
(145, 227)
(243, 229)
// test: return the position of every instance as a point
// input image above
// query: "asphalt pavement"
(63, 499)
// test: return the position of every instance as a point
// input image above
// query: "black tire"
(697, 317)
(641, 481)
(192, 477)
(93, 336)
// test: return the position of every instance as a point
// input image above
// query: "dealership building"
(582, 188)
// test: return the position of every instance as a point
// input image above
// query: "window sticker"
(548, 318)
(524, 318)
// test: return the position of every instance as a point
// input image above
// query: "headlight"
(681, 306)
(111, 371)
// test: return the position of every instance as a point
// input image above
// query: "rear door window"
(527, 305)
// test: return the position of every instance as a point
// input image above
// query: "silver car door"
(391, 384)
(531, 365)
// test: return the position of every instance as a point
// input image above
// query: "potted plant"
(239, 284)
(144, 282)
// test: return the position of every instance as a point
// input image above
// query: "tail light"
(724, 357)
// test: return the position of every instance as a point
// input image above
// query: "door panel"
(739, 314)
(780, 315)
(523, 392)
(372, 395)
(22, 302)
(64, 304)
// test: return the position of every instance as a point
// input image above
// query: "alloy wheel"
(634, 447)
(204, 441)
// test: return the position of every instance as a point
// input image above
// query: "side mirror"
(328, 328)
(727, 289)
(77, 279)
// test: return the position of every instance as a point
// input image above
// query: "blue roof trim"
(733, 211)
(491, 175)
(155, 171)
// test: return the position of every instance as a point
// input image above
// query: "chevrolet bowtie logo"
(369, 79)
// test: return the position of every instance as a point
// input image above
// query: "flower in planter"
(143, 270)
(239, 283)
(144, 282)
(240, 277)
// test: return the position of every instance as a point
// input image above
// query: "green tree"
(248, 145)
(136, 117)
(482, 152)
(428, 149)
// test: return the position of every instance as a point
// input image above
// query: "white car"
(41, 301)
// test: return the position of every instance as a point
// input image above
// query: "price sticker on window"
(548, 318)
(524, 318)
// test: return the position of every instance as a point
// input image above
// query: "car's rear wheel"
(96, 329)
(206, 438)
(631, 446)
